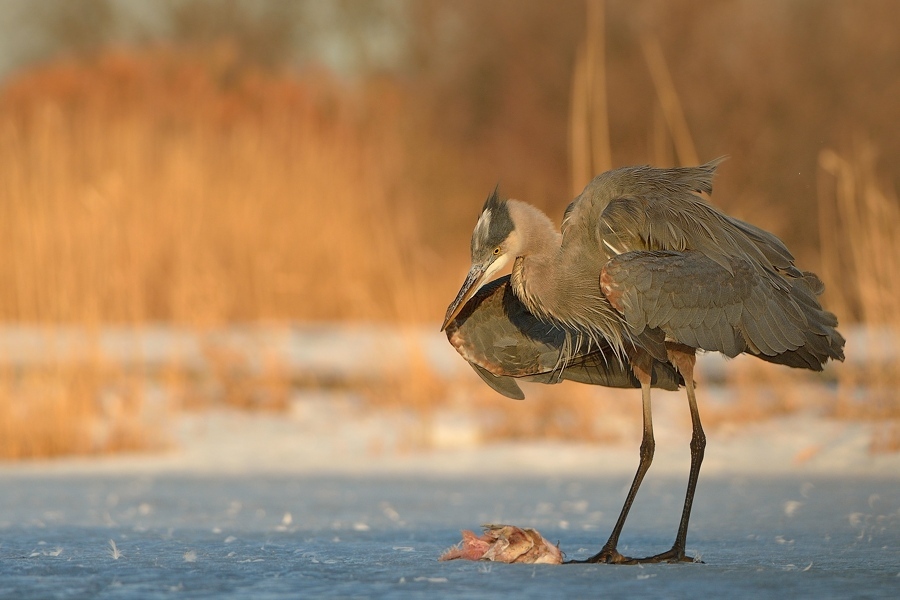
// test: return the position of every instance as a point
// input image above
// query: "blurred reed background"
(210, 167)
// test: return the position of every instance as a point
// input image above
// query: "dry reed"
(860, 223)
(859, 229)
(163, 187)
(154, 187)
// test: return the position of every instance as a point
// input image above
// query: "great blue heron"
(647, 272)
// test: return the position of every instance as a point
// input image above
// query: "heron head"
(493, 245)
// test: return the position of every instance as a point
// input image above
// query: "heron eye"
(497, 251)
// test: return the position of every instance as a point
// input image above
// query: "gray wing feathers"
(701, 277)
(645, 208)
(700, 303)
(680, 181)
(686, 222)
(503, 385)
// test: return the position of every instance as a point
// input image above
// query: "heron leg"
(642, 365)
(684, 358)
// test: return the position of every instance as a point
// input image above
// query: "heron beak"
(468, 289)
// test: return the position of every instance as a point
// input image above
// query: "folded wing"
(730, 308)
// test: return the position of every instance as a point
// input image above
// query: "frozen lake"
(295, 535)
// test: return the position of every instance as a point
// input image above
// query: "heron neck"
(534, 273)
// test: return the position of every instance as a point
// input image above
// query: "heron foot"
(675, 555)
(613, 557)
(609, 556)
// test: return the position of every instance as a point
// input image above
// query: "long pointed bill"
(468, 289)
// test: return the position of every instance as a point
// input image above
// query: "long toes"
(617, 559)
(611, 557)
(671, 556)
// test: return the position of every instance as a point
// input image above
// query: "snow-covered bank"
(334, 433)
(326, 436)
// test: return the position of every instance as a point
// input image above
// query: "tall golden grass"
(158, 186)
(154, 187)
(859, 219)
(859, 230)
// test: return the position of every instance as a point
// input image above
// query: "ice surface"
(275, 506)
(229, 536)
(300, 505)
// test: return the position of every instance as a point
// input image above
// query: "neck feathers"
(537, 236)
(557, 287)
(537, 245)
